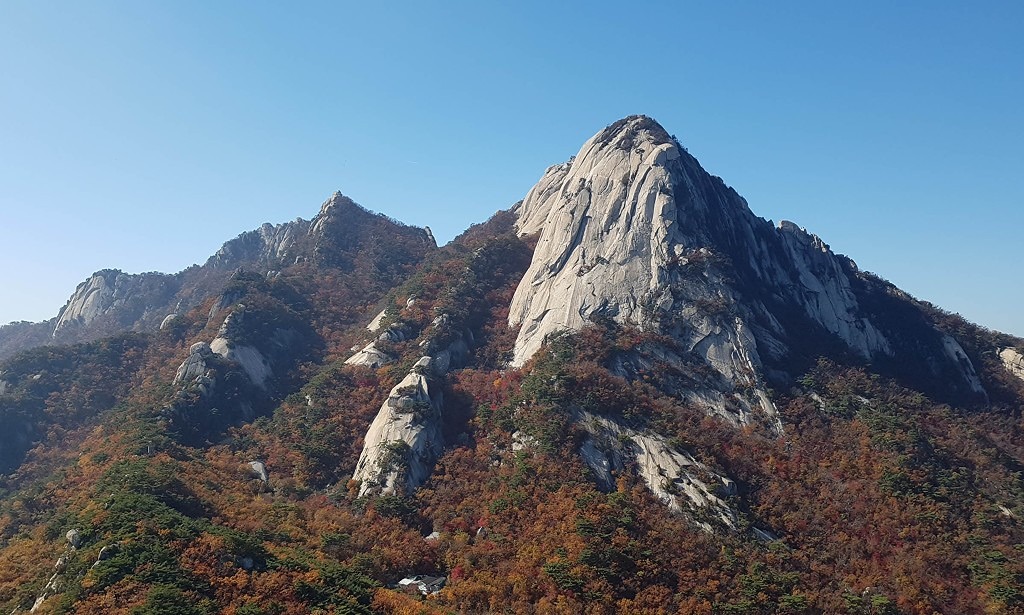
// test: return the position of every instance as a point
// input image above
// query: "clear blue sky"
(142, 135)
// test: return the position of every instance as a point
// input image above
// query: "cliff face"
(115, 299)
(633, 229)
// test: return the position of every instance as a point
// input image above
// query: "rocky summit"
(633, 229)
(626, 394)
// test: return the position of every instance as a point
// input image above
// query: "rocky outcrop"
(372, 355)
(634, 230)
(614, 243)
(815, 279)
(374, 325)
(1013, 361)
(673, 476)
(116, 298)
(236, 375)
(259, 470)
(406, 436)
(231, 345)
(956, 356)
(195, 365)
(343, 233)
(91, 298)
(55, 584)
(267, 247)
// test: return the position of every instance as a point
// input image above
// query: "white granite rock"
(404, 438)
(251, 360)
(1013, 361)
(673, 476)
(610, 236)
(370, 356)
(374, 324)
(248, 357)
(90, 299)
(194, 365)
(268, 246)
(74, 538)
(823, 290)
(955, 353)
(259, 469)
(633, 229)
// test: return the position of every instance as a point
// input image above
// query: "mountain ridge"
(111, 301)
(702, 412)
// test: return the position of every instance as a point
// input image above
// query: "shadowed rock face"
(633, 229)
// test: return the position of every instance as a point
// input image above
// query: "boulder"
(259, 470)
(74, 538)
(195, 365)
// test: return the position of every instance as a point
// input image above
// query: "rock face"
(374, 325)
(372, 355)
(633, 229)
(1013, 361)
(247, 356)
(259, 469)
(119, 296)
(270, 245)
(195, 365)
(673, 476)
(404, 438)
(236, 375)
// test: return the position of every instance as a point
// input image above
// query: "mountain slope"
(701, 413)
(343, 235)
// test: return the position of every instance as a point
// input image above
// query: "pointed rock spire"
(633, 229)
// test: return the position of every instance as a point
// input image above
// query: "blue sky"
(142, 135)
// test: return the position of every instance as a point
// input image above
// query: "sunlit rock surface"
(1013, 361)
(633, 229)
